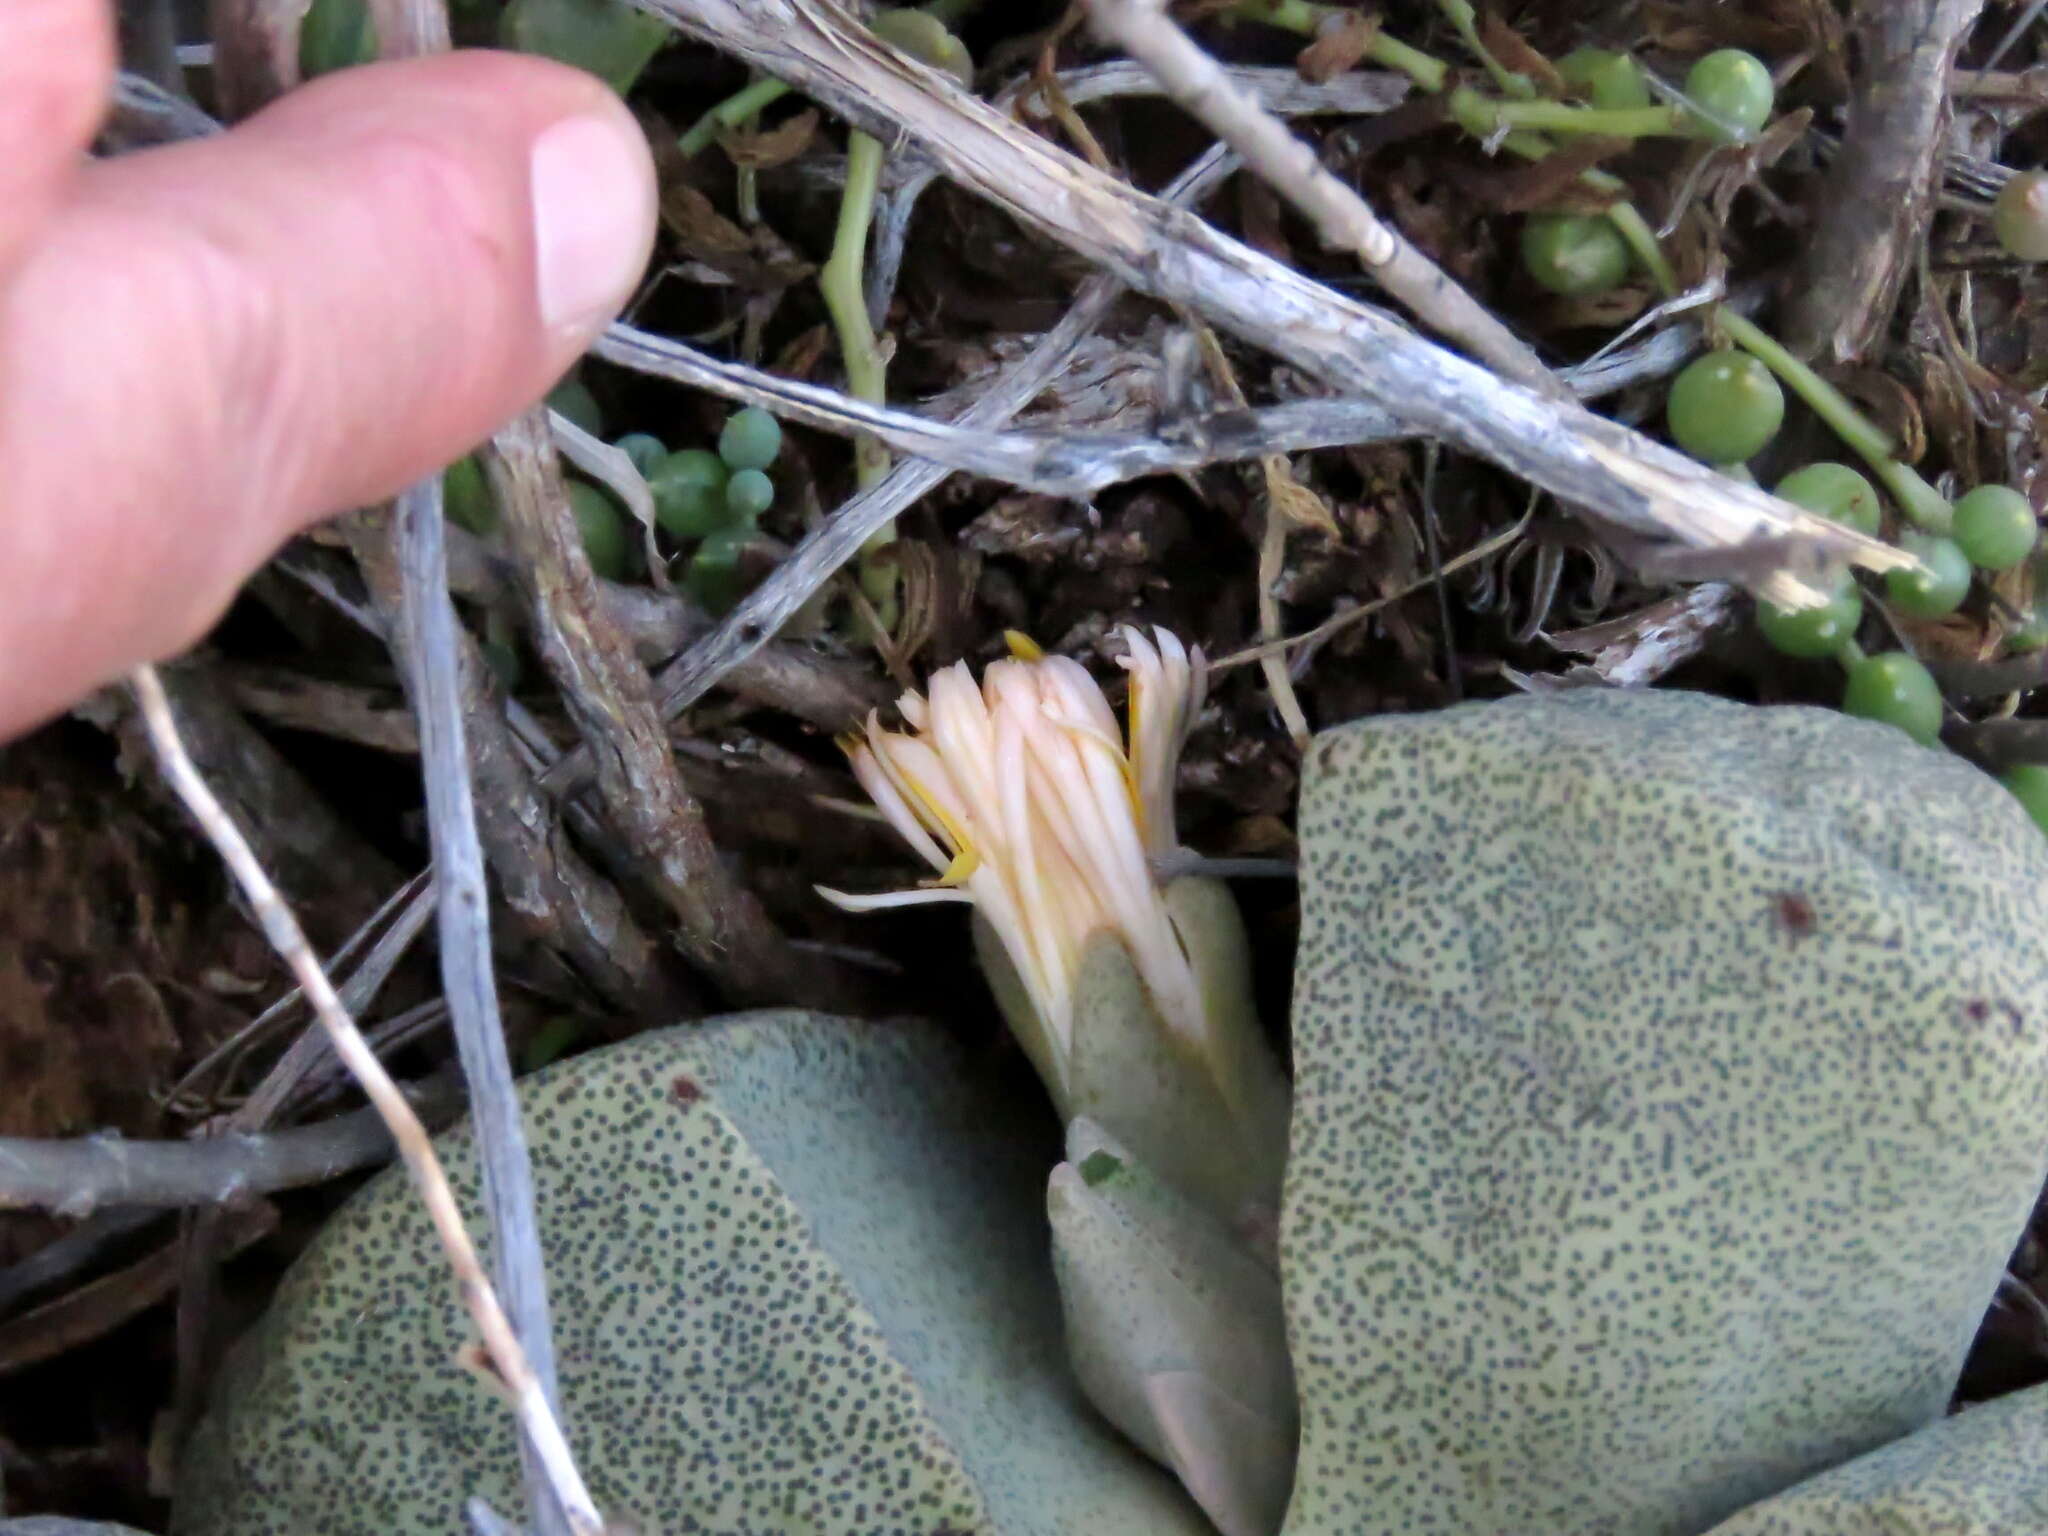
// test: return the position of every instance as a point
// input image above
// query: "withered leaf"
(1551, 184)
(1512, 51)
(766, 148)
(1338, 47)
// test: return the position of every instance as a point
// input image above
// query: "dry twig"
(522, 1388)
(1588, 463)
(464, 907)
(1880, 188)
(79, 1175)
(1343, 218)
(722, 925)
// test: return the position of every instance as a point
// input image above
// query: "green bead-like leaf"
(336, 34)
(608, 38)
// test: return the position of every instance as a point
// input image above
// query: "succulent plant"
(1980, 1473)
(1669, 1094)
(799, 1282)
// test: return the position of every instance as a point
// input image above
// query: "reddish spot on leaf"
(684, 1090)
(1795, 915)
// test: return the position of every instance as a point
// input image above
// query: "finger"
(56, 61)
(216, 343)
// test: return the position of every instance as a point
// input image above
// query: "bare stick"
(1061, 462)
(466, 974)
(1879, 192)
(721, 923)
(1343, 218)
(77, 1176)
(1595, 466)
(523, 1390)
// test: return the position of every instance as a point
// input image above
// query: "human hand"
(208, 346)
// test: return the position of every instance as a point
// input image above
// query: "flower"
(1028, 802)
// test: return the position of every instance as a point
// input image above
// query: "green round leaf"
(1814, 632)
(2029, 783)
(1995, 526)
(466, 499)
(1724, 407)
(1940, 588)
(572, 398)
(748, 494)
(1610, 81)
(2020, 216)
(1894, 688)
(1835, 491)
(336, 34)
(1734, 86)
(603, 526)
(1573, 254)
(689, 493)
(750, 439)
(644, 449)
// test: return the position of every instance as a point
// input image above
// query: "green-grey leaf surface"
(800, 1284)
(1669, 1094)
(1982, 1472)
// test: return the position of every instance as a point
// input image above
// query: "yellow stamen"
(1022, 646)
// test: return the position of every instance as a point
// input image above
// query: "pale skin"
(208, 347)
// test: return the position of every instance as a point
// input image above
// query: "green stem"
(1465, 22)
(1849, 654)
(1303, 16)
(1924, 506)
(1635, 231)
(1482, 116)
(730, 113)
(1426, 70)
(840, 282)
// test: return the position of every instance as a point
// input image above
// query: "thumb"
(210, 345)
(56, 59)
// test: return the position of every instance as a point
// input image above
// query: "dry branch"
(80, 1175)
(1062, 462)
(1590, 464)
(721, 924)
(1879, 192)
(523, 1391)
(842, 536)
(822, 691)
(1343, 218)
(543, 879)
(464, 909)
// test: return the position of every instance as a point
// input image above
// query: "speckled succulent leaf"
(608, 38)
(1175, 1330)
(1983, 1472)
(1208, 1116)
(1670, 1091)
(799, 1285)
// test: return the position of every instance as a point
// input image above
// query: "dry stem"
(523, 1391)
(1343, 218)
(1593, 465)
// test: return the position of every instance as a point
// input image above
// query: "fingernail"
(593, 217)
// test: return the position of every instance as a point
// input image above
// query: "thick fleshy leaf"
(1671, 1087)
(798, 1276)
(1176, 1331)
(1983, 1472)
(1208, 1115)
